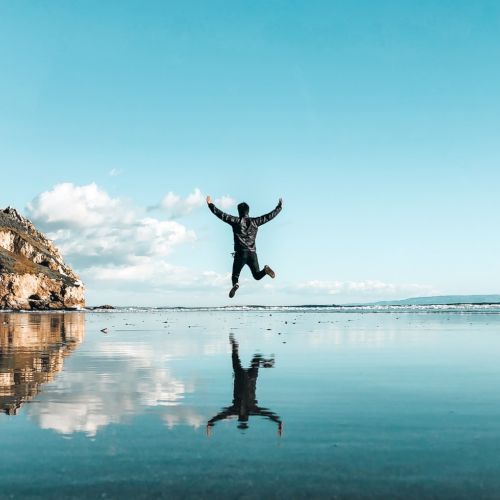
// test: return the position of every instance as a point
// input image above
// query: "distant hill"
(441, 299)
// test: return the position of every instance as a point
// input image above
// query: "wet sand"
(250, 404)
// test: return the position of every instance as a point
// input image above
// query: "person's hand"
(209, 200)
(208, 430)
(280, 429)
(280, 202)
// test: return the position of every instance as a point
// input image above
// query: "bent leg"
(238, 263)
(253, 264)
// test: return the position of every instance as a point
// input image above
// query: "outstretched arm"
(222, 415)
(225, 413)
(264, 412)
(230, 219)
(270, 216)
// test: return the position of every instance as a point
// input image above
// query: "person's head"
(243, 209)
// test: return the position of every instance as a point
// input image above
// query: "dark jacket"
(244, 227)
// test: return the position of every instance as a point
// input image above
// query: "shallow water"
(250, 404)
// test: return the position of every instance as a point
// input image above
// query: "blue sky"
(377, 122)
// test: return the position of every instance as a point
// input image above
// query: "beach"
(362, 404)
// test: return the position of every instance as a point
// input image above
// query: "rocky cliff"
(32, 272)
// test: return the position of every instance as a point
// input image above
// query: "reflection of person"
(244, 398)
(245, 231)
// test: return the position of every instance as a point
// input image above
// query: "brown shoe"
(269, 272)
(233, 290)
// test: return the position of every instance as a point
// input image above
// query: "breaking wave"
(438, 308)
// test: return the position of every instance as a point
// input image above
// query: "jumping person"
(245, 231)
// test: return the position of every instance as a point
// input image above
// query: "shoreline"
(460, 308)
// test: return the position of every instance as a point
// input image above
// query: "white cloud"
(367, 287)
(225, 202)
(141, 269)
(213, 279)
(176, 206)
(160, 274)
(69, 206)
(115, 172)
(108, 239)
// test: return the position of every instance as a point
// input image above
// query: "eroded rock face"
(32, 272)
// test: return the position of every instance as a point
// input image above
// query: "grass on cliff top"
(24, 235)
(15, 263)
(11, 263)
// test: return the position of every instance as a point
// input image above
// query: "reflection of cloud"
(111, 379)
(337, 336)
(73, 416)
(183, 414)
(123, 380)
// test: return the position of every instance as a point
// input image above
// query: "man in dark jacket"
(245, 231)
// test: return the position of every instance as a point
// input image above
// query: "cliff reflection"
(244, 394)
(32, 352)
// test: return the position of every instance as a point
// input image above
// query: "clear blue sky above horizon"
(377, 122)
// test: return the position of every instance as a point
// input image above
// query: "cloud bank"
(109, 239)
(368, 287)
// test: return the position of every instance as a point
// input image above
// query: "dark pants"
(243, 257)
